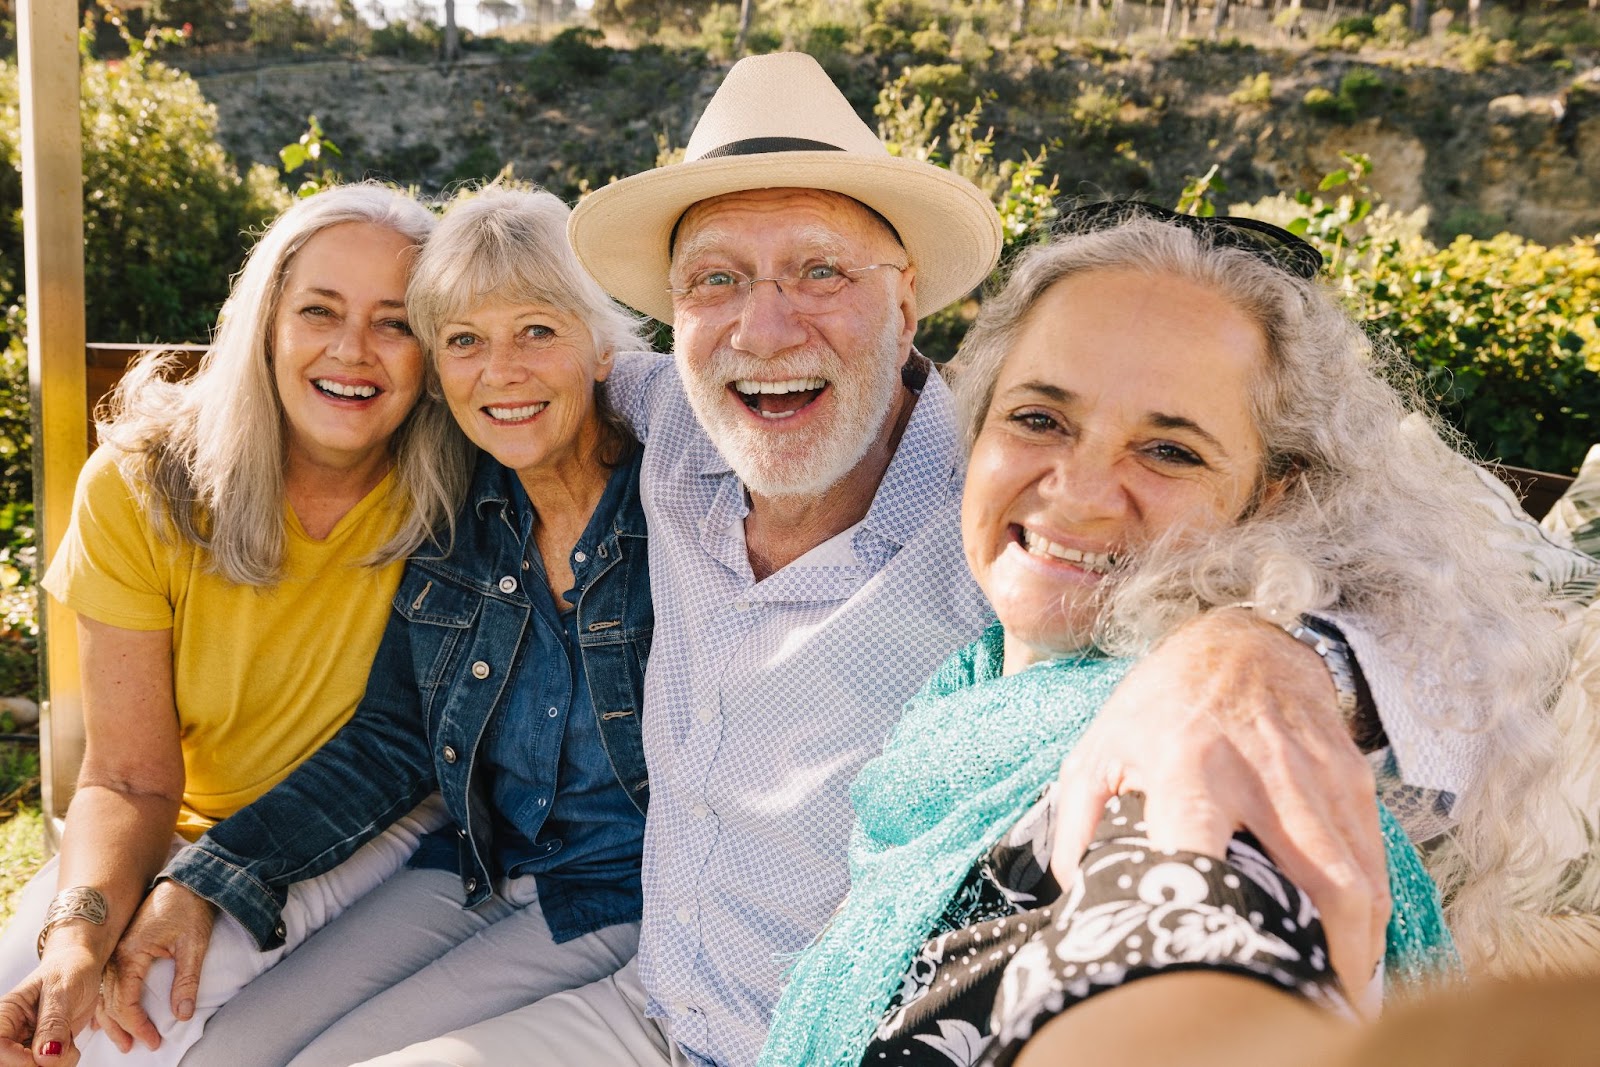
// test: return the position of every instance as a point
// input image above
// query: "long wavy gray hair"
(1379, 519)
(211, 448)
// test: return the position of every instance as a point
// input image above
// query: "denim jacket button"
(471, 885)
(480, 669)
(280, 930)
(508, 584)
(461, 833)
(448, 753)
(580, 556)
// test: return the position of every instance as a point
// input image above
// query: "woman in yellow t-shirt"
(235, 544)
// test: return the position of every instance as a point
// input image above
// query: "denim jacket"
(440, 674)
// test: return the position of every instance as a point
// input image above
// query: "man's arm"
(1232, 724)
(636, 382)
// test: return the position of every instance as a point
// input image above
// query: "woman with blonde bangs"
(235, 542)
(510, 678)
(1168, 415)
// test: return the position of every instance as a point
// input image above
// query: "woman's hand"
(1231, 724)
(173, 923)
(39, 1016)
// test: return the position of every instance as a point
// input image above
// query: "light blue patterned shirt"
(763, 700)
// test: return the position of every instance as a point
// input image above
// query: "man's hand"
(1231, 724)
(172, 923)
(39, 1016)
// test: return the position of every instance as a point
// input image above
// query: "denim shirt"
(446, 666)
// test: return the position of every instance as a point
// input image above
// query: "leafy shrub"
(1095, 110)
(418, 40)
(1505, 334)
(165, 212)
(931, 41)
(1363, 88)
(1357, 26)
(1325, 104)
(1394, 25)
(1255, 91)
(947, 80)
(1503, 331)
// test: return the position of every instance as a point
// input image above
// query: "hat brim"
(950, 230)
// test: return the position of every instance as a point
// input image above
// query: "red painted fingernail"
(50, 1048)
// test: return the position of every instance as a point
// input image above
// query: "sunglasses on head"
(1272, 243)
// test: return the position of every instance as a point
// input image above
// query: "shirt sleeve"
(636, 385)
(112, 565)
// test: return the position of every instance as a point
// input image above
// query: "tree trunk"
(1475, 8)
(1167, 11)
(1019, 16)
(1419, 18)
(746, 10)
(452, 38)
(1219, 17)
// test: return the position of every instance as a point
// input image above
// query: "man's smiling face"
(793, 397)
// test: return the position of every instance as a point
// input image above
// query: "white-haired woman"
(1167, 415)
(510, 678)
(235, 542)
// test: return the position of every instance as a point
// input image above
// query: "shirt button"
(471, 885)
(684, 916)
(741, 605)
(552, 713)
(579, 556)
(705, 715)
(480, 669)
(541, 802)
(508, 584)
(700, 811)
(526, 564)
(448, 753)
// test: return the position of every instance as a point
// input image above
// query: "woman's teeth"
(526, 411)
(1089, 561)
(354, 392)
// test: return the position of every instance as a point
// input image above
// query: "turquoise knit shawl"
(966, 760)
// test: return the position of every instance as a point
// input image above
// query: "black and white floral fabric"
(1013, 951)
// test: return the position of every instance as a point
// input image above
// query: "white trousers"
(232, 960)
(601, 1024)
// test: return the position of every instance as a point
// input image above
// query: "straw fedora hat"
(778, 121)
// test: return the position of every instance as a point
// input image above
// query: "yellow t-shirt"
(261, 676)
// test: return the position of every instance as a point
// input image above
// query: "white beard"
(809, 462)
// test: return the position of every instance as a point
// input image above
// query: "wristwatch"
(1336, 657)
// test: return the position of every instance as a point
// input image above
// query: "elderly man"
(802, 478)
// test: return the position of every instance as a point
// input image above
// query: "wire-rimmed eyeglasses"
(810, 289)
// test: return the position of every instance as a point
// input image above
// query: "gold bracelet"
(79, 902)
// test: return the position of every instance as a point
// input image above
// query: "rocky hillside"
(1509, 147)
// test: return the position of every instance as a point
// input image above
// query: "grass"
(21, 823)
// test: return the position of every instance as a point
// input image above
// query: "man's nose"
(768, 323)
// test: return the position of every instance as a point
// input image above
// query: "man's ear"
(908, 310)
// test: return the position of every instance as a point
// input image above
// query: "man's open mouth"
(778, 400)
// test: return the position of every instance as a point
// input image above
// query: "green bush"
(1505, 334)
(1255, 91)
(1325, 104)
(165, 212)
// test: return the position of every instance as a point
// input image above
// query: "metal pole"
(52, 223)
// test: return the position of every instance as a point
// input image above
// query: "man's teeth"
(526, 411)
(1089, 561)
(793, 385)
(354, 392)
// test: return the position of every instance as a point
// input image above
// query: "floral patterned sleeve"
(1013, 950)
(1135, 912)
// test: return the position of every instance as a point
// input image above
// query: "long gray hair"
(1378, 518)
(211, 449)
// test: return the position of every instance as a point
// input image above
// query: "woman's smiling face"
(1122, 414)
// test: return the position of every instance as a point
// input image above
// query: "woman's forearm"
(1196, 1018)
(115, 842)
